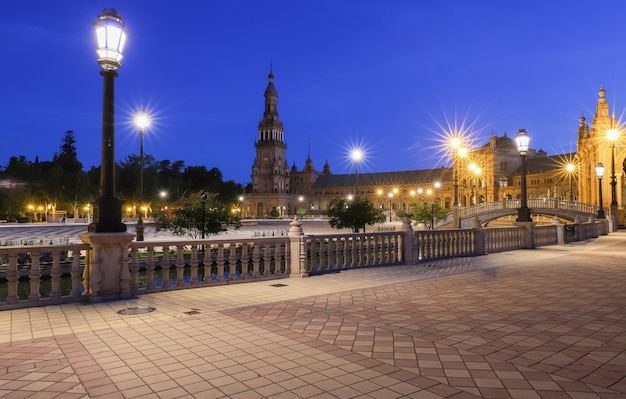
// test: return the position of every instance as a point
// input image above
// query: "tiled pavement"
(544, 323)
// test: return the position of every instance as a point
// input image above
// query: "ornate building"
(488, 173)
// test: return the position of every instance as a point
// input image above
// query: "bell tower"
(270, 171)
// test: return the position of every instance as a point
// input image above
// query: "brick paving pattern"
(547, 323)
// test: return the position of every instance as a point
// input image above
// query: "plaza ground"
(544, 323)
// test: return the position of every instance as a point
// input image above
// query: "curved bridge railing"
(540, 206)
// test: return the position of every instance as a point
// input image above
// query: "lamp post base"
(107, 216)
(140, 229)
(523, 215)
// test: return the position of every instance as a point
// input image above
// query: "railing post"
(592, 222)
(296, 250)
(559, 230)
(407, 246)
(107, 276)
(479, 237)
(578, 229)
(529, 233)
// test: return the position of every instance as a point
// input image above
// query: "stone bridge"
(487, 211)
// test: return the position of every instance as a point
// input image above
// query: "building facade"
(488, 173)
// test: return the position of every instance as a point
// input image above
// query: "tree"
(191, 218)
(426, 214)
(354, 214)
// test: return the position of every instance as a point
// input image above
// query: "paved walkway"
(545, 323)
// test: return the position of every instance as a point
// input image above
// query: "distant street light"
(356, 156)
(390, 195)
(612, 136)
(142, 121)
(203, 198)
(111, 37)
(600, 174)
(241, 199)
(522, 139)
(570, 167)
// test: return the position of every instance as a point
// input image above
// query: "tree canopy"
(354, 214)
(62, 184)
(197, 216)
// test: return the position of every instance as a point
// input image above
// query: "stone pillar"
(592, 221)
(578, 229)
(559, 230)
(456, 214)
(479, 237)
(530, 233)
(297, 251)
(407, 229)
(106, 274)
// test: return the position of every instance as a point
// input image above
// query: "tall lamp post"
(203, 198)
(356, 156)
(111, 37)
(522, 139)
(142, 120)
(390, 195)
(455, 143)
(570, 170)
(612, 135)
(600, 174)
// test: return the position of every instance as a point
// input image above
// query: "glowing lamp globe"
(522, 139)
(111, 37)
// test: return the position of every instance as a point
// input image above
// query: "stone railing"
(33, 274)
(533, 203)
(438, 244)
(162, 266)
(38, 275)
(328, 253)
(500, 239)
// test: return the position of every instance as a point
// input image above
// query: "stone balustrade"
(38, 275)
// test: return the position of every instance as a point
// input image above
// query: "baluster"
(228, 262)
(354, 253)
(371, 251)
(13, 276)
(220, 262)
(75, 273)
(55, 275)
(321, 257)
(193, 265)
(34, 277)
(134, 270)
(256, 260)
(207, 264)
(150, 268)
(245, 261)
(279, 256)
(344, 252)
(180, 265)
(165, 268)
(268, 256)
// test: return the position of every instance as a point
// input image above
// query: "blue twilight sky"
(388, 75)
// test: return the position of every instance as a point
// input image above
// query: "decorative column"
(297, 250)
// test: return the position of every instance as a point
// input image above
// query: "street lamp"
(522, 139)
(455, 143)
(390, 195)
(203, 198)
(142, 121)
(241, 198)
(570, 167)
(356, 156)
(600, 174)
(612, 136)
(476, 170)
(111, 38)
